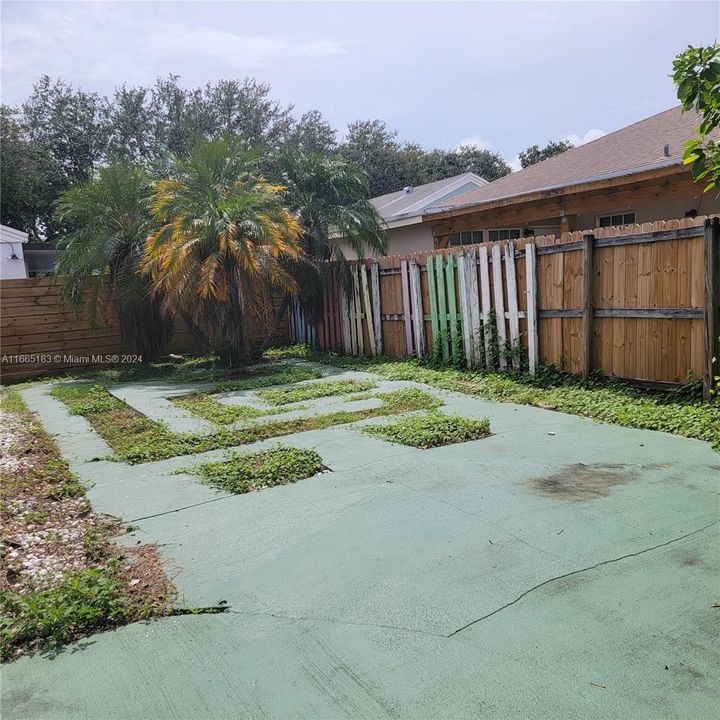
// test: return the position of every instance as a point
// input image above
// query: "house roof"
(11, 235)
(655, 142)
(409, 203)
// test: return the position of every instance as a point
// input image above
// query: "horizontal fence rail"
(41, 334)
(636, 302)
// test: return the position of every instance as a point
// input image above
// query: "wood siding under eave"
(587, 198)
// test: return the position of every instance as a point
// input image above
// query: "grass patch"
(677, 411)
(285, 396)
(216, 412)
(84, 399)
(82, 602)
(137, 439)
(244, 472)
(432, 430)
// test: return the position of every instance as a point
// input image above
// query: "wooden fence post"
(712, 303)
(587, 303)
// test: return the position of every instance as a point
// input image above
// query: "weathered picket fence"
(638, 301)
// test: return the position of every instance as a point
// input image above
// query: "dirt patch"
(579, 482)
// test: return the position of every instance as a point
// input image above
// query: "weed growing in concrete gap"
(680, 412)
(136, 439)
(431, 430)
(285, 396)
(208, 408)
(245, 472)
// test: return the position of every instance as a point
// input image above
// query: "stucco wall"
(403, 240)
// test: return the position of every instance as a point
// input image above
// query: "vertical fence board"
(377, 319)
(442, 305)
(368, 308)
(452, 306)
(499, 303)
(417, 309)
(407, 321)
(486, 307)
(531, 306)
(514, 319)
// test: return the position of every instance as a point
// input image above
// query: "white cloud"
(474, 141)
(589, 136)
(514, 163)
(99, 45)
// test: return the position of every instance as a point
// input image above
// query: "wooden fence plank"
(499, 304)
(442, 306)
(377, 321)
(531, 305)
(362, 268)
(464, 293)
(514, 320)
(587, 303)
(407, 320)
(434, 316)
(712, 304)
(417, 309)
(473, 304)
(346, 322)
(486, 306)
(452, 307)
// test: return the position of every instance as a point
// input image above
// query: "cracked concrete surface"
(410, 583)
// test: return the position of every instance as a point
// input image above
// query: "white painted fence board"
(531, 304)
(377, 320)
(514, 321)
(417, 309)
(485, 294)
(499, 303)
(368, 308)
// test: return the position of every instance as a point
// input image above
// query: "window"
(627, 218)
(504, 234)
(466, 238)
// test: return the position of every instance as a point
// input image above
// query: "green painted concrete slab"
(582, 557)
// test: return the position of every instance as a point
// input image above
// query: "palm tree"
(222, 234)
(330, 199)
(99, 259)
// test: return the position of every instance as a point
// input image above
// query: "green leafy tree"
(330, 199)
(99, 259)
(535, 154)
(223, 234)
(696, 73)
(467, 158)
(30, 180)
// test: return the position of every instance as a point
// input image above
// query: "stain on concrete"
(580, 482)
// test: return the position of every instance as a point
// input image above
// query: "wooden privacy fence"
(637, 302)
(39, 334)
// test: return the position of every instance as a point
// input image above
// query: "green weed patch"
(208, 408)
(285, 396)
(431, 430)
(137, 439)
(245, 472)
(678, 411)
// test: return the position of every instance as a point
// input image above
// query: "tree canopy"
(697, 76)
(535, 154)
(60, 136)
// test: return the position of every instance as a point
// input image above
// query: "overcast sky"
(501, 75)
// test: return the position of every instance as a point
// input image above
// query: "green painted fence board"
(452, 306)
(434, 320)
(442, 307)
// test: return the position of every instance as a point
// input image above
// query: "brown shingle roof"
(631, 149)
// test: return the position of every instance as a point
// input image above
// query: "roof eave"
(439, 213)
